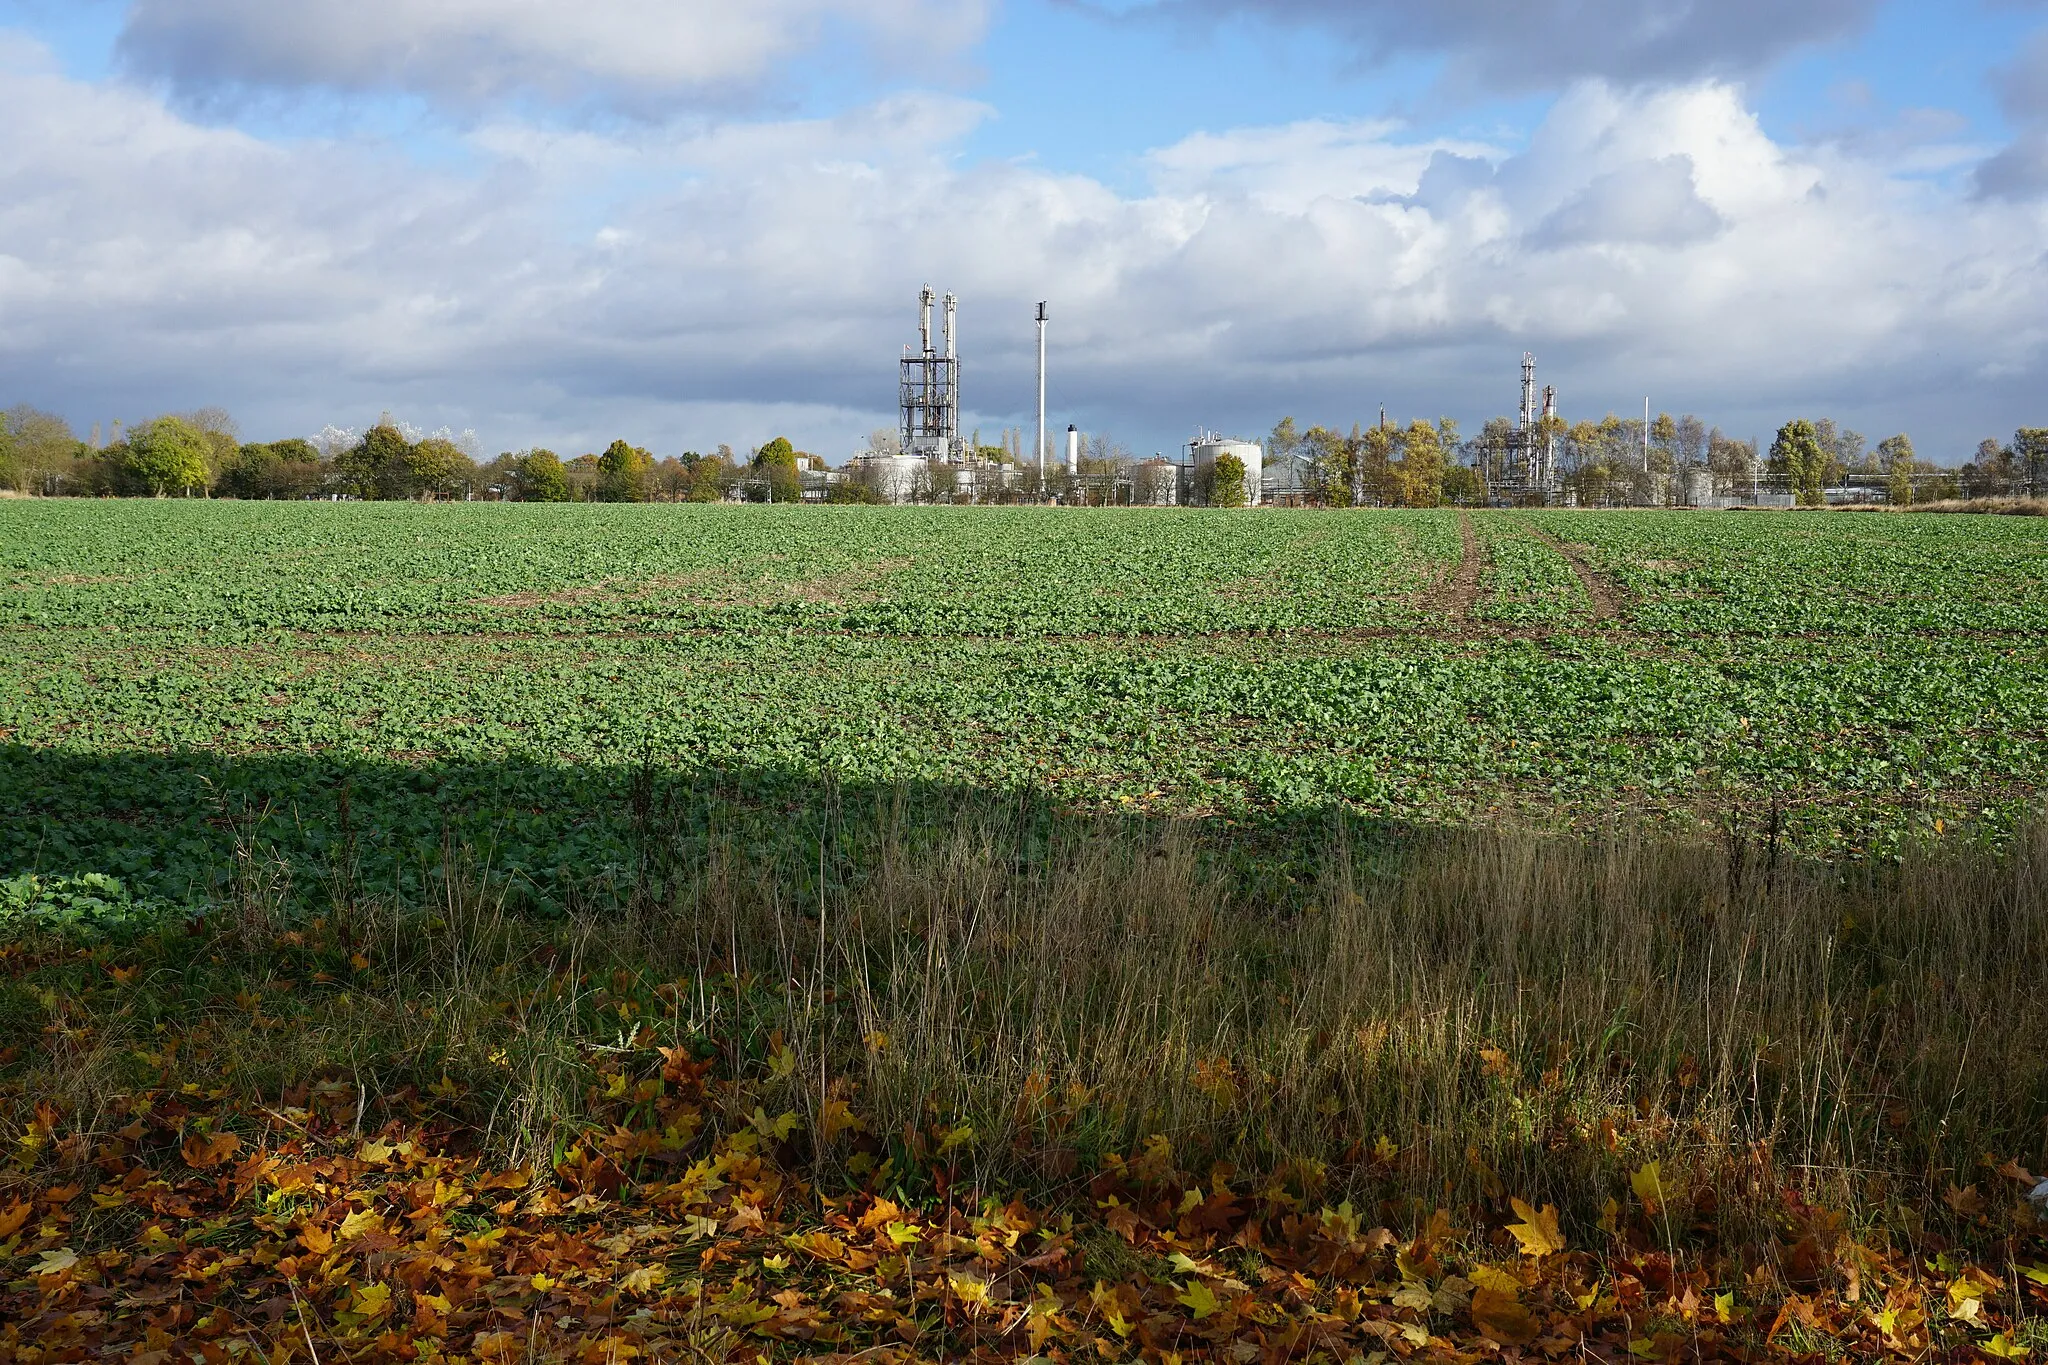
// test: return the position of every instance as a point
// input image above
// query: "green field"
(178, 676)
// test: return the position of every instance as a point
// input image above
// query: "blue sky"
(692, 223)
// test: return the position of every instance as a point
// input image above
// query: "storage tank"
(1206, 452)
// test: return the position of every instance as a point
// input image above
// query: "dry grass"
(1999, 507)
(1444, 1018)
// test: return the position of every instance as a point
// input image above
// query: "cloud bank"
(729, 282)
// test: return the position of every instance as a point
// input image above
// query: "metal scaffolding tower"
(930, 389)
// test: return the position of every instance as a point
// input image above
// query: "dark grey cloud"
(1649, 203)
(1544, 44)
(2018, 172)
(2023, 83)
(633, 54)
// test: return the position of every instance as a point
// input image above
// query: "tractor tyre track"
(1459, 592)
(1606, 596)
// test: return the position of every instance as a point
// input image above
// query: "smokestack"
(1041, 394)
(1073, 450)
(924, 321)
(953, 371)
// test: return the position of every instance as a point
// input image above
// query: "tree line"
(1620, 461)
(201, 454)
(1423, 463)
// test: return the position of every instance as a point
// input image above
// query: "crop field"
(176, 674)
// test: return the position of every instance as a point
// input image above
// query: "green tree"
(1327, 458)
(778, 462)
(622, 473)
(1895, 458)
(1463, 487)
(376, 465)
(1798, 456)
(1228, 477)
(280, 469)
(435, 468)
(537, 476)
(164, 457)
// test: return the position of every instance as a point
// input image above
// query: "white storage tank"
(1249, 453)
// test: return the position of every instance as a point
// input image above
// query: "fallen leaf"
(205, 1151)
(1538, 1231)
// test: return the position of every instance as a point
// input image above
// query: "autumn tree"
(36, 448)
(536, 476)
(1421, 480)
(622, 473)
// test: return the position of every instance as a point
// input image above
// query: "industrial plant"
(1532, 460)
(932, 459)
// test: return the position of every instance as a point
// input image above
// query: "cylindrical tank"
(1249, 453)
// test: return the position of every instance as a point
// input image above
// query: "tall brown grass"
(1477, 1010)
(1438, 1018)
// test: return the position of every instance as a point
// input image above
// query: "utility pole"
(1041, 398)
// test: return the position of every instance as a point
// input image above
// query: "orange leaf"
(11, 1221)
(203, 1152)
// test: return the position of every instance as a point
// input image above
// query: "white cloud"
(647, 53)
(691, 287)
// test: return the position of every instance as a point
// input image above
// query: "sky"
(690, 222)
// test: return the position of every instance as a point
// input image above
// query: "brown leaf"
(1503, 1317)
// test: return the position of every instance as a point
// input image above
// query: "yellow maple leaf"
(2003, 1348)
(1200, 1299)
(643, 1279)
(1498, 1280)
(1538, 1231)
(54, 1262)
(372, 1299)
(361, 1223)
